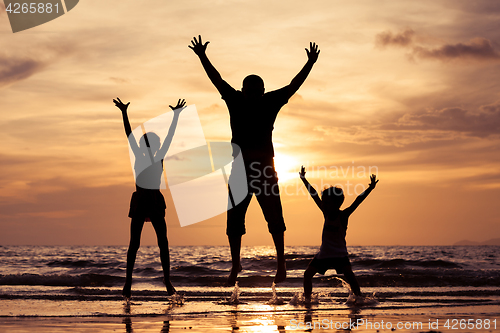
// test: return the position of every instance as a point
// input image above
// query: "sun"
(286, 167)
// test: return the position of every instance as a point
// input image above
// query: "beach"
(78, 289)
(265, 318)
(135, 135)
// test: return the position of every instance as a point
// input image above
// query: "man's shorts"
(262, 181)
(338, 264)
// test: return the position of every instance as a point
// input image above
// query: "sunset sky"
(410, 89)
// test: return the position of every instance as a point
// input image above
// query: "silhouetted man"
(252, 114)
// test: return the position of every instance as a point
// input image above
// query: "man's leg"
(279, 243)
(235, 230)
(235, 245)
(136, 226)
(270, 203)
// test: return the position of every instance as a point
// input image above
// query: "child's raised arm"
(168, 139)
(126, 123)
(312, 191)
(362, 196)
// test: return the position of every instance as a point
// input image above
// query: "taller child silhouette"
(147, 203)
(252, 114)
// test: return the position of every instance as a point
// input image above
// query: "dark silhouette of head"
(332, 197)
(253, 87)
(150, 140)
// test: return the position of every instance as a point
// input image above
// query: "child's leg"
(351, 279)
(135, 241)
(308, 275)
(161, 235)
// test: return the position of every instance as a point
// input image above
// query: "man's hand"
(198, 47)
(312, 53)
(302, 172)
(373, 181)
(180, 104)
(119, 104)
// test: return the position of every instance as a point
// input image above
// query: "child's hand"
(302, 172)
(373, 181)
(119, 104)
(180, 104)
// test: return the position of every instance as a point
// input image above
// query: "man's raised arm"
(200, 49)
(298, 80)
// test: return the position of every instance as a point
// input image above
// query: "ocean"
(45, 281)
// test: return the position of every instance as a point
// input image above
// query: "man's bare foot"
(170, 288)
(126, 292)
(280, 274)
(231, 280)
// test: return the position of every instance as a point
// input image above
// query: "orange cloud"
(58, 214)
(478, 48)
(13, 69)
(449, 123)
(387, 38)
(21, 65)
(482, 123)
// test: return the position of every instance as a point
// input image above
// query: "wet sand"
(194, 317)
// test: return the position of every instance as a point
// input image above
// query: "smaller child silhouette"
(333, 250)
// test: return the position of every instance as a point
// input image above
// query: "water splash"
(234, 298)
(176, 300)
(299, 298)
(313, 300)
(345, 285)
(360, 300)
(126, 305)
(296, 299)
(275, 300)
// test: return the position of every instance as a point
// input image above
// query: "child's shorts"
(322, 265)
(147, 204)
